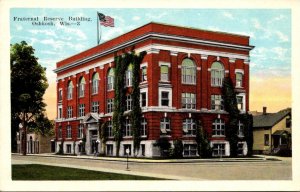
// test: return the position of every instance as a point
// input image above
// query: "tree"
(28, 85)
(203, 147)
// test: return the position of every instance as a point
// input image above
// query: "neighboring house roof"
(270, 119)
(281, 132)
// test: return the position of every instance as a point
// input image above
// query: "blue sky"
(269, 31)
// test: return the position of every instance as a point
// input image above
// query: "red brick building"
(181, 80)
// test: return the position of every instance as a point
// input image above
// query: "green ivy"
(203, 146)
(103, 136)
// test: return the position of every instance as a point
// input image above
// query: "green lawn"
(45, 172)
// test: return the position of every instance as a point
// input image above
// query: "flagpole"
(97, 28)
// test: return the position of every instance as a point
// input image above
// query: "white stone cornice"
(173, 53)
(204, 57)
(153, 50)
(232, 60)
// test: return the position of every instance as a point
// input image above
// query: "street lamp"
(97, 143)
(127, 153)
(80, 144)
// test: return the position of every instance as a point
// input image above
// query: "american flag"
(106, 21)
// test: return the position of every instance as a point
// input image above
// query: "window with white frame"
(109, 130)
(80, 131)
(239, 79)
(144, 73)
(127, 132)
(165, 128)
(59, 132)
(218, 127)
(189, 150)
(217, 102)
(95, 83)
(164, 73)
(69, 131)
(110, 79)
(109, 149)
(110, 105)
(128, 101)
(95, 107)
(128, 76)
(69, 148)
(81, 108)
(188, 72)
(143, 99)
(69, 112)
(189, 127)
(217, 74)
(240, 102)
(218, 149)
(60, 95)
(143, 127)
(81, 87)
(60, 113)
(164, 98)
(240, 129)
(188, 100)
(70, 90)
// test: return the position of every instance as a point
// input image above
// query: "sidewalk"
(256, 158)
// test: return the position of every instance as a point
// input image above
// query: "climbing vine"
(122, 62)
(103, 136)
(203, 147)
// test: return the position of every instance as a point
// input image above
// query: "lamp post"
(127, 153)
(80, 144)
(97, 150)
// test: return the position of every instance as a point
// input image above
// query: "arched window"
(81, 87)
(217, 74)
(128, 76)
(95, 83)
(70, 90)
(188, 72)
(110, 79)
(218, 127)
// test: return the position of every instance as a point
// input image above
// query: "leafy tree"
(203, 147)
(247, 120)
(164, 145)
(177, 151)
(41, 125)
(28, 85)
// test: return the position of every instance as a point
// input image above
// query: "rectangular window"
(190, 150)
(81, 90)
(127, 132)
(143, 127)
(95, 86)
(70, 111)
(218, 149)
(60, 114)
(266, 139)
(217, 102)
(127, 147)
(128, 103)
(144, 73)
(95, 107)
(69, 131)
(81, 110)
(109, 131)
(128, 78)
(143, 99)
(60, 95)
(217, 77)
(240, 149)
(241, 129)
(164, 98)
(188, 100)
(240, 103)
(165, 127)
(189, 127)
(110, 105)
(80, 131)
(218, 127)
(164, 73)
(239, 79)
(69, 148)
(59, 132)
(109, 149)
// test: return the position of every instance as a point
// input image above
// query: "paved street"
(200, 170)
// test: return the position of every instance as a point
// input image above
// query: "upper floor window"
(240, 129)
(144, 73)
(110, 105)
(70, 90)
(95, 107)
(128, 102)
(81, 110)
(218, 127)
(188, 100)
(110, 79)
(217, 102)
(95, 83)
(143, 98)
(165, 128)
(239, 100)
(69, 111)
(69, 131)
(164, 73)
(60, 95)
(81, 87)
(239, 79)
(59, 132)
(109, 130)
(60, 113)
(188, 72)
(189, 127)
(164, 98)
(127, 131)
(80, 131)
(144, 127)
(217, 74)
(128, 76)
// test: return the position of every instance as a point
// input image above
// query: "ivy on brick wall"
(203, 146)
(122, 62)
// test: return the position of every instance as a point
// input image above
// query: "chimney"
(264, 110)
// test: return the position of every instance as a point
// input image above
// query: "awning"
(280, 132)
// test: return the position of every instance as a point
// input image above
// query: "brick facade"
(165, 45)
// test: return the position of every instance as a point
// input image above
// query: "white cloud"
(228, 15)
(19, 27)
(112, 32)
(70, 31)
(282, 37)
(280, 53)
(44, 32)
(159, 16)
(136, 18)
(256, 24)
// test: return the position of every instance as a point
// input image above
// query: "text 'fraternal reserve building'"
(180, 81)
